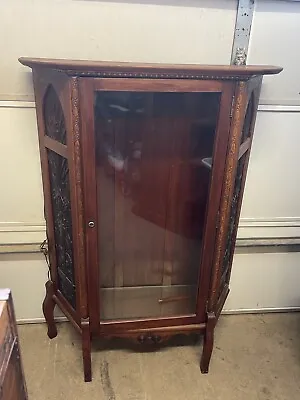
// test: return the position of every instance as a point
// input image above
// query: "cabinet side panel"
(253, 93)
(242, 128)
(40, 87)
(58, 124)
(61, 210)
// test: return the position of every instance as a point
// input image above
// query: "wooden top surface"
(82, 67)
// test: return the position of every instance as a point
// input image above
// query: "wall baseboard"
(22, 226)
(264, 228)
(268, 310)
(21, 233)
(224, 312)
(270, 222)
(20, 237)
(17, 104)
(265, 105)
(39, 320)
(279, 107)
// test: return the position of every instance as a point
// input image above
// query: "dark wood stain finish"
(82, 67)
(157, 158)
(12, 380)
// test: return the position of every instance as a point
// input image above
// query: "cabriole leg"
(48, 310)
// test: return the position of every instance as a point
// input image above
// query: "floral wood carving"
(60, 197)
(54, 117)
(230, 241)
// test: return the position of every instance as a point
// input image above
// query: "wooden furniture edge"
(154, 70)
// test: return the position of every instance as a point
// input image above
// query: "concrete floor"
(255, 357)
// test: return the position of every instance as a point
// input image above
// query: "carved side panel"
(60, 197)
(237, 189)
(234, 211)
(233, 221)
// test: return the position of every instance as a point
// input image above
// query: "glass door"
(154, 153)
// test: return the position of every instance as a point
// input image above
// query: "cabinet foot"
(208, 343)
(86, 350)
(48, 310)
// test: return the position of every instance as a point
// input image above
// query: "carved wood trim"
(78, 204)
(253, 92)
(149, 75)
(240, 105)
(156, 335)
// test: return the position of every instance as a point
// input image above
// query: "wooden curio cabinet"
(143, 170)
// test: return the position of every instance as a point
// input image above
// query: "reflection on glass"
(154, 157)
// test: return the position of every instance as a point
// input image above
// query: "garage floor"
(255, 357)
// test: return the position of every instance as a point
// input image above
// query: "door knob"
(91, 224)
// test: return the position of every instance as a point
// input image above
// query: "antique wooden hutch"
(143, 167)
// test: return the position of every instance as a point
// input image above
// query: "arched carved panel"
(54, 120)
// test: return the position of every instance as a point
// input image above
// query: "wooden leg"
(48, 309)
(86, 350)
(208, 343)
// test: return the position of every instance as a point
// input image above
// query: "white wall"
(264, 280)
(274, 36)
(271, 204)
(192, 31)
(173, 31)
(271, 207)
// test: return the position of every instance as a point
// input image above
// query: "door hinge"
(232, 106)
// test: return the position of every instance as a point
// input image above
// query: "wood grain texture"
(253, 93)
(240, 101)
(239, 151)
(89, 187)
(213, 215)
(159, 85)
(78, 211)
(80, 67)
(12, 380)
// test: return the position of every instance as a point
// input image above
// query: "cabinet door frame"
(87, 87)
